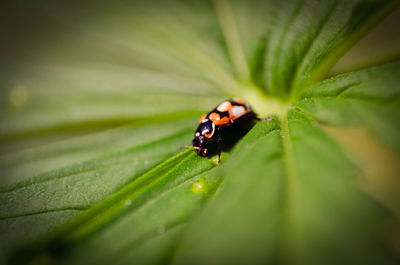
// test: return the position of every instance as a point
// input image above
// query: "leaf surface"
(292, 205)
(98, 98)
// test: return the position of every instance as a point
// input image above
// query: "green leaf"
(365, 98)
(98, 98)
(165, 196)
(41, 159)
(299, 41)
(29, 203)
(297, 192)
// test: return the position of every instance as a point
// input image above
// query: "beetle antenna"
(185, 146)
(269, 118)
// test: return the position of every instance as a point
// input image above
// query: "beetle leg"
(219, 155)
(219, 148)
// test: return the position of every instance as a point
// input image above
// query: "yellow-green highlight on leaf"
(264, 105)
(198, 187)
(18, 96)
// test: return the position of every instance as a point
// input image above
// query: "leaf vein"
(338, 92)
(380, 102)
(73, 208)
(231, 34)
(283, 37)
(313, 40)
(52, 175)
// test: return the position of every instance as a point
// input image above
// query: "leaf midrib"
(288, 245)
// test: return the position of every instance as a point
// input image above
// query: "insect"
(223, 125)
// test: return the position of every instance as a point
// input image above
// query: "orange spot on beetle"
(202, 118)
(216, 118)
(208, 135)
(224, 120)
(240, 101)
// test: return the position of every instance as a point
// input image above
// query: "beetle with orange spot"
(225, 119)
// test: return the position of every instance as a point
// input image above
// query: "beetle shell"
(225, 113)
(211, 125)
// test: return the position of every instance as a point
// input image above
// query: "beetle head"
(199, 144)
